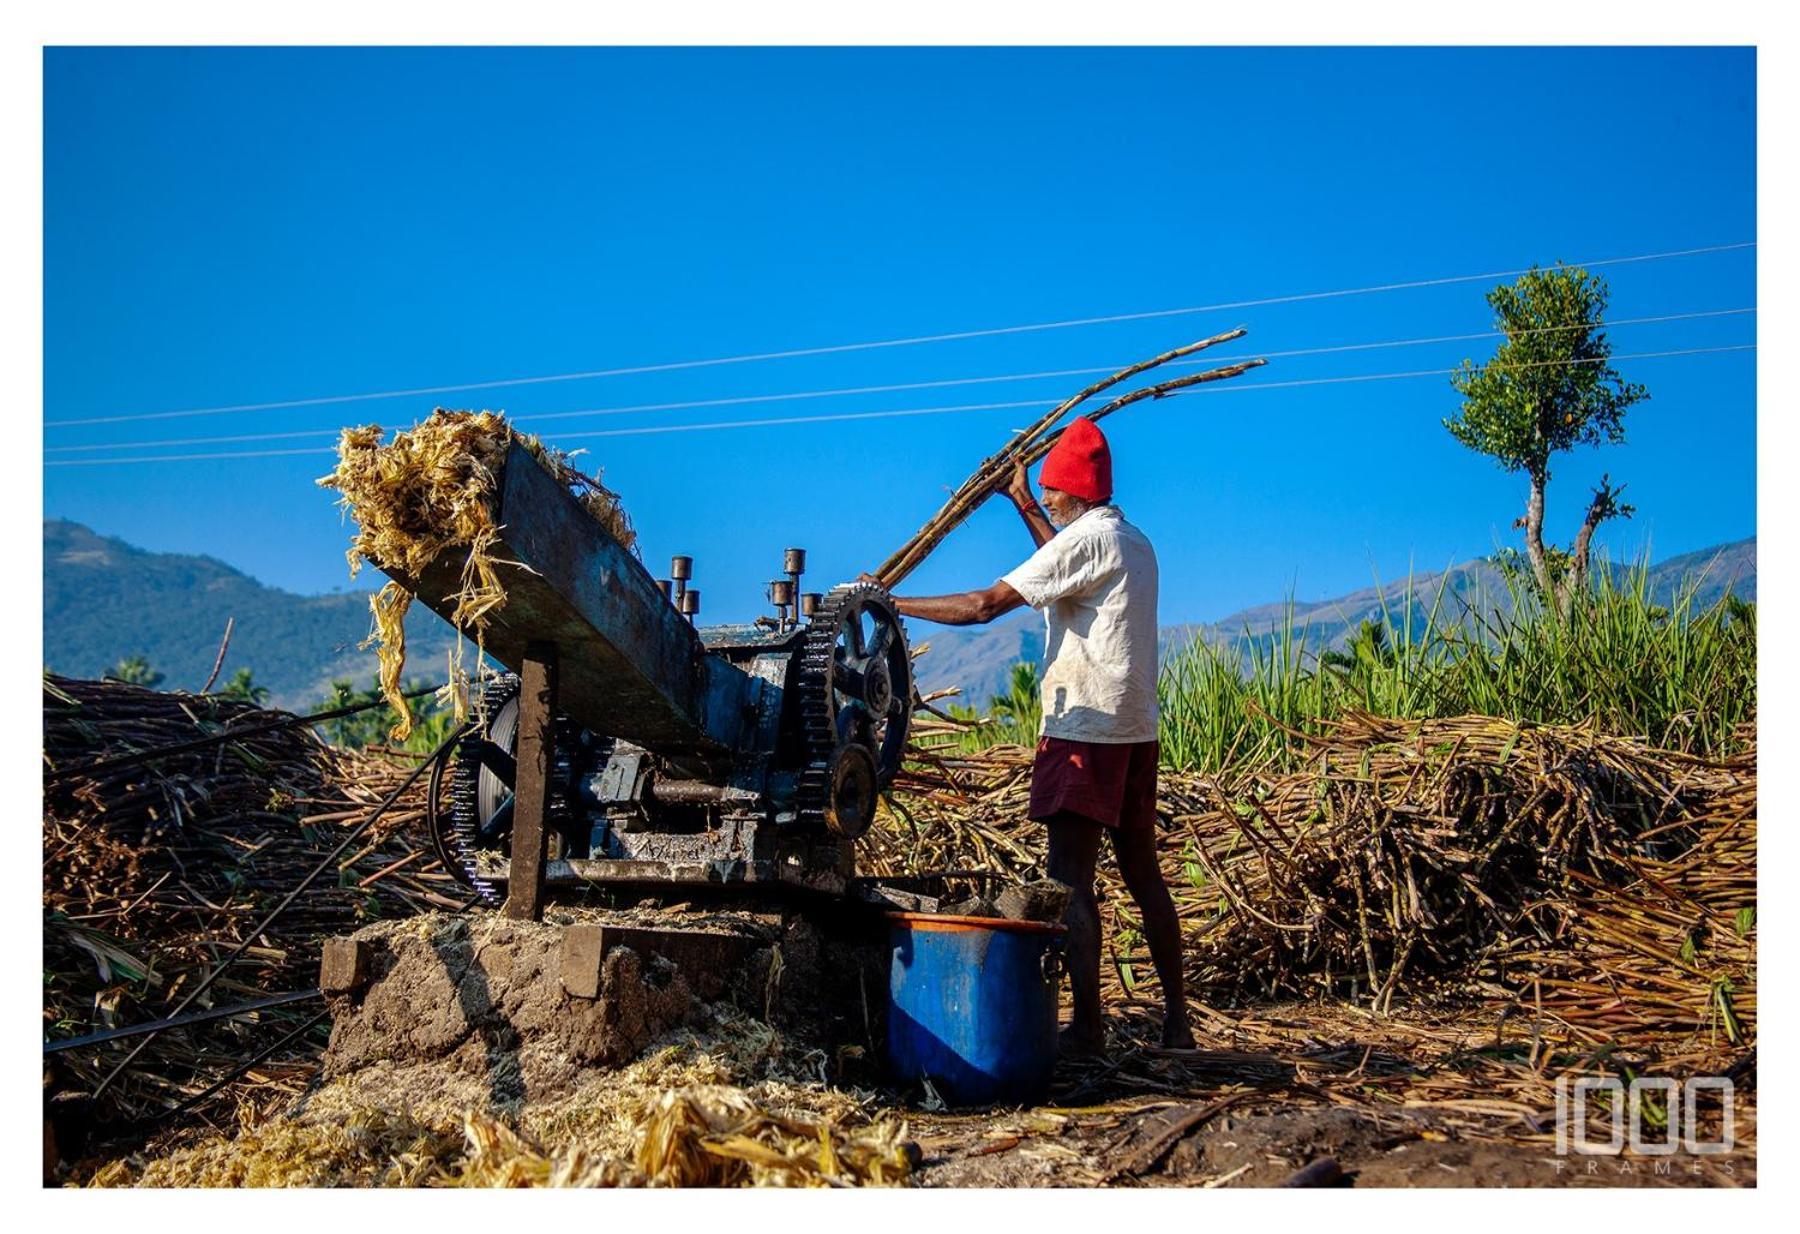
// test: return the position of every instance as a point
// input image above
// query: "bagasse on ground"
(429, 491)
(463, 1060)
(728, 1104)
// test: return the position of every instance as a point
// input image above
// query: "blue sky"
(229, 226)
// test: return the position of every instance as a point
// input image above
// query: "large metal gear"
(482, 776)
(856, 692)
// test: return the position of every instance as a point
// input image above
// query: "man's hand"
(1018, 486)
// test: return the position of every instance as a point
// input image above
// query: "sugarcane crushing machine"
(629, 745)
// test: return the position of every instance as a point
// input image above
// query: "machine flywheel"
(856, 692)
(482, 776)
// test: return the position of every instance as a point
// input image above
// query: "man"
(1094, 576)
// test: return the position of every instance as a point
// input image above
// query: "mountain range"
(105, 600)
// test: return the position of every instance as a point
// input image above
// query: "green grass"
(1010, 718)
(1681, 675)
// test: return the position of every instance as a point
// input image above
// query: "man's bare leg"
(1135, 850)
(1074, 848)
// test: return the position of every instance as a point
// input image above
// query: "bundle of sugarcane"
(1034, 442)
(1410, 852)
(956, 811)
(1671, 957)
(156, 864)
(431, 490)
(1434, 847)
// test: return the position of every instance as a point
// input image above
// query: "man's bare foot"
(1073, 1045)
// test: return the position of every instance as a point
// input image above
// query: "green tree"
(431, 723)
(1549, 388)
(1019, 708)
(135, 671)
(242, 686)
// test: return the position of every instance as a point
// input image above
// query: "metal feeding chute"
(631, 746)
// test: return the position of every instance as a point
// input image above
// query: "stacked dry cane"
(1033, 443)
(154, 868)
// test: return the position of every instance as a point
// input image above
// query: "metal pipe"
(237, 1071)
(687, 792)
(181, 1021)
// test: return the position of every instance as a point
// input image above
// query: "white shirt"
(1096, 582)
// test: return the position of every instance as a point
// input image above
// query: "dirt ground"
(1347, 1100)
(1146, 1145)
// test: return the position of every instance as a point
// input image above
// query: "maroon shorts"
(1115, 785)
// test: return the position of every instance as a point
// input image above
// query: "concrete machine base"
(531, 1006)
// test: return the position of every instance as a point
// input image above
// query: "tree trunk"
(1578, 567)
(1605, 505)
(1534, 536)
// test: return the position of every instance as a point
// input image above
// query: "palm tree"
(1019, 708)
(135, 671)
(1367, 650)
(241, 686)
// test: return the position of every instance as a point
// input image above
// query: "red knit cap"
(1080, 463)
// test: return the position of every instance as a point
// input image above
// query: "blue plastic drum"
(972, 1005)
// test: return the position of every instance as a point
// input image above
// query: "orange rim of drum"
(945, 922)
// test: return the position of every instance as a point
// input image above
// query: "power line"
(1463, 338)
(840, 348)
(1444, 372)
(1243, 386)
(534, 418)
(910, 411)
(186, 458)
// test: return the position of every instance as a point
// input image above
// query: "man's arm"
(965, 608)
(1019, 490)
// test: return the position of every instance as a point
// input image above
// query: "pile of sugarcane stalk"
(154, 869)
(1610, 882)
(1673, 950)
(1035, 441)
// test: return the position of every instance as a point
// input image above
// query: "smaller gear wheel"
(851, 807)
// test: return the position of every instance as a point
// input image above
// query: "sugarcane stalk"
(995, 469)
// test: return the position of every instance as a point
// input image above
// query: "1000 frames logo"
(1655, 1124)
